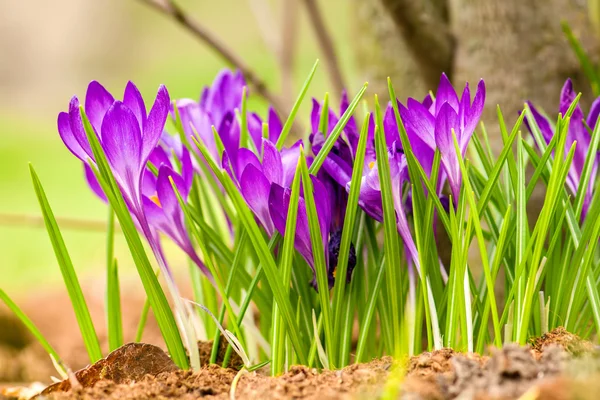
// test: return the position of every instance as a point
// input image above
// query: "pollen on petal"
(155, 200)
(371, 164)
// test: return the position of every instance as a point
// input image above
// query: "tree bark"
(380, 52)
(517, 46)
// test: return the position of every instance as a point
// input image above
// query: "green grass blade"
(318, 252)
(349, 222)
(262, 251)
(113, 291)
(82, 313)
(586, 63)
(15, 309)
(390, 243)
(287, 258)
(468, 191)
(158, 301)
(113, 307)
(586, 174)
(290, 121)
(336, 132)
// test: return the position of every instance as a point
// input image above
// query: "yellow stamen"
(334, 271)
(371, 164)
(155, 200)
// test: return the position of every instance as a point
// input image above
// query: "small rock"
(127, 364)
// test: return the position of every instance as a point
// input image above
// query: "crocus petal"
(132, 98)
(93, 182)
(245, 158)
(97, 102)
(255, 129)
(289, 161)
(338, 169)
(66, 134)
(155, 123)
(472, 115)
(593, 114)
(148, 183)
(445, 94)
(418, 122)
(446, 122)
(77, 127)
(275, 125)
(187, 171)
(271, 165)
(279, 203)
(315, 116)
(159, 157)
(165, 192)
(390, 127)
(323, 205)
(567, 96)
(542, 123)
(256, 190)
(122, 143)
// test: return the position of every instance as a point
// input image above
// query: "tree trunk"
(517, 46)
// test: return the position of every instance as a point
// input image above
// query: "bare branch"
(265, 21)
(326, 44)
(287, 54)
(425, 29)
(37, 221)
(171, 9)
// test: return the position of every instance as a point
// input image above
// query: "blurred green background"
(61, 46)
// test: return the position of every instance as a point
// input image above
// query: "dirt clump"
(508, 374)
(437, 362)
(205, 349)
(570, 342)
(127, 364)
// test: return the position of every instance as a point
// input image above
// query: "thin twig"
(326, 44)
(37, 221)
(171, 9)
(287, 54)
(266, 24)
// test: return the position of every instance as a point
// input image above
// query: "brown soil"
(560, 337)
(22, 359)
(550, 369)
(507, 373)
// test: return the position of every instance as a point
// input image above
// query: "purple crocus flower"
(129, 138)
(126, 133)
(217, 107)
(161, 206)
(429, 125)
(578, 132)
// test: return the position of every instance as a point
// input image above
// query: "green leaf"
(86, 326)
(287, 258)
(318, 253)
(391, 244)
(336, 132)
(349, 222)
(481, 242)
(290, 121)
(158, 301)
(586, 63)
(33, 329)
(113, 307)
(262, 251)
(113, 292)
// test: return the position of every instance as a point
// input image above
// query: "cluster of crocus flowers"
(429, 125)
(147, 162)
(579, 131)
